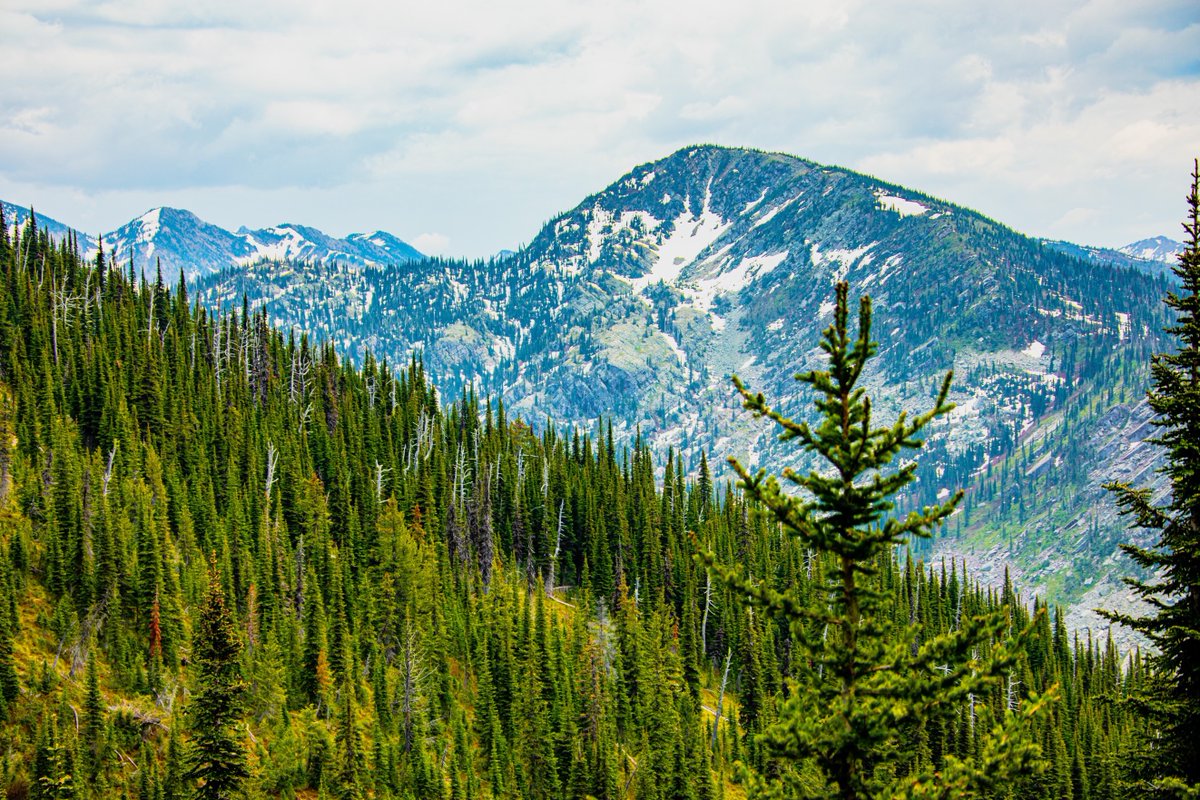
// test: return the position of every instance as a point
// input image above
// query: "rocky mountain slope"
(16, 218)
(638, 304)
(178, 240)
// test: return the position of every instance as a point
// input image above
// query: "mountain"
(1107, 255)
(234, 555)
(1158, 248)
(181, 240)
(17, 219)
(178, 240)
(638, 304)
(1155, 256)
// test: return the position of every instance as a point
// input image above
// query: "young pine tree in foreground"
(864, 683)
(1168, 762)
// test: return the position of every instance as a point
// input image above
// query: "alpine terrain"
(175, 240)
(238, 563)
(638, 304)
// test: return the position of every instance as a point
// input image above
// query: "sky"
(463, 126)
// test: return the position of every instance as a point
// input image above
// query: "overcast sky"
(463, 126)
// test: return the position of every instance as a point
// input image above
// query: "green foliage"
(1168, 760)
(10, 686)
(382, 562)
(865, 682)
(218, 758)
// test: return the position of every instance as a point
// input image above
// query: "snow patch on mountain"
(753, 203)
(1122, 326)
(843, 257)
(288, 244)
(150, 223)
(703, 292)
(603, 226)
(689, 237)
(746, 272)
(673, 343)
(770, 215)
(902, 206)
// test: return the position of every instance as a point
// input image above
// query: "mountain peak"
(638, 304)
(181, 241)
(1156, 248)
(708, 211)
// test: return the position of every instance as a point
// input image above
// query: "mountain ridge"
(178, 240)
(638, 304)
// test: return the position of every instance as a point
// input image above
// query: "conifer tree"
(218, 758)
(53, 766)
(350, 772)
(1170, 761)
(9, 685)
(864, 678)
(95, 745)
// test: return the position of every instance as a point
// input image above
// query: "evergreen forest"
(233, 563)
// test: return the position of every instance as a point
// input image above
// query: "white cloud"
(483, 119)
(432, 244)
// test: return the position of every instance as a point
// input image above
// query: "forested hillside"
(638, 304)
(228, 554)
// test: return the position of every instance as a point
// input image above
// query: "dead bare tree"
(460, 480)
(298, 375)
(62, 304)
(108, 469)
(305, 415)
(557, 545)
(1011, 698)
(150, 317)
(721, 698)
(380, 471)
(707, 607)
(218, 353)
(412, 675)
(272, 463)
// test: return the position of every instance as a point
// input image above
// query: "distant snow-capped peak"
(1157, 248)
(175, 240)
